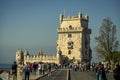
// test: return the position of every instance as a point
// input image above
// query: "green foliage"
(106, 41)
(116, 57)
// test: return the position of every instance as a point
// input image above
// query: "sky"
(32, 24)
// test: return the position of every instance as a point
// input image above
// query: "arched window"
(70, 45)
(69, 52)
(70, 27)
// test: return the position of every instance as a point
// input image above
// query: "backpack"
(27, 71)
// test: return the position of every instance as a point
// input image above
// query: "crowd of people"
(80, 66)
(32, 68)
(40, 68)
(100, 69)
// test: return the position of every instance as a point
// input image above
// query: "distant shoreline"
(5, 66)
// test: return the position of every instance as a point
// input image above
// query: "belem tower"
(73, 43)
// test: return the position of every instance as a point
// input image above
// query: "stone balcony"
(73, 29)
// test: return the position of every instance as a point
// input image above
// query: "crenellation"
(74, 18)
(40, 57)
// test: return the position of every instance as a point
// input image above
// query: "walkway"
(62, 74)
(87, 75)
(32, 76)
(56, 75)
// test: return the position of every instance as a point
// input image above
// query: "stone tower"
(74, 38)
(19, 56)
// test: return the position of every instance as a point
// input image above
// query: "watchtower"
(74, 37)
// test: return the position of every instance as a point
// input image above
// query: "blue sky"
(32, 24)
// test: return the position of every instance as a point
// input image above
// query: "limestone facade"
(74, 37)
(40, 57)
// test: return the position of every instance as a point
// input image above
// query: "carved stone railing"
(73, 29)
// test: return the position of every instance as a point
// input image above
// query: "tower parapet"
(75, 21)
(78, 17)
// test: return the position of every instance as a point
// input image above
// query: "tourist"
(23, 71)
(82, 67)
(43, 68)
(75, 67)
(49, 69)
(31, 67)
(93, 67)
(27, 72)
(14, 71)
(116, 72)
(87, 66)
(70, 65)
(107, 68)
(32, 71)
(34, 68)
(101, 75)
(40, 68)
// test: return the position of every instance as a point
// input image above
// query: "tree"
(116, 57)
(107, 42)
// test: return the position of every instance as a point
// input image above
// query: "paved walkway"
(32, 76)
(62, 75)
(87, 75)
(82, 75)
(56, 75)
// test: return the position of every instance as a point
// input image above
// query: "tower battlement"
(40, 57)
(73, 18)
(74, 21)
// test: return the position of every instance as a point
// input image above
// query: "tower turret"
(86, 17)
(40, 53)
(61, 18)
(19, 56)
(26, 52)
(80, 14)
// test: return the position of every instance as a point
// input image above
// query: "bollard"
(68, 75)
